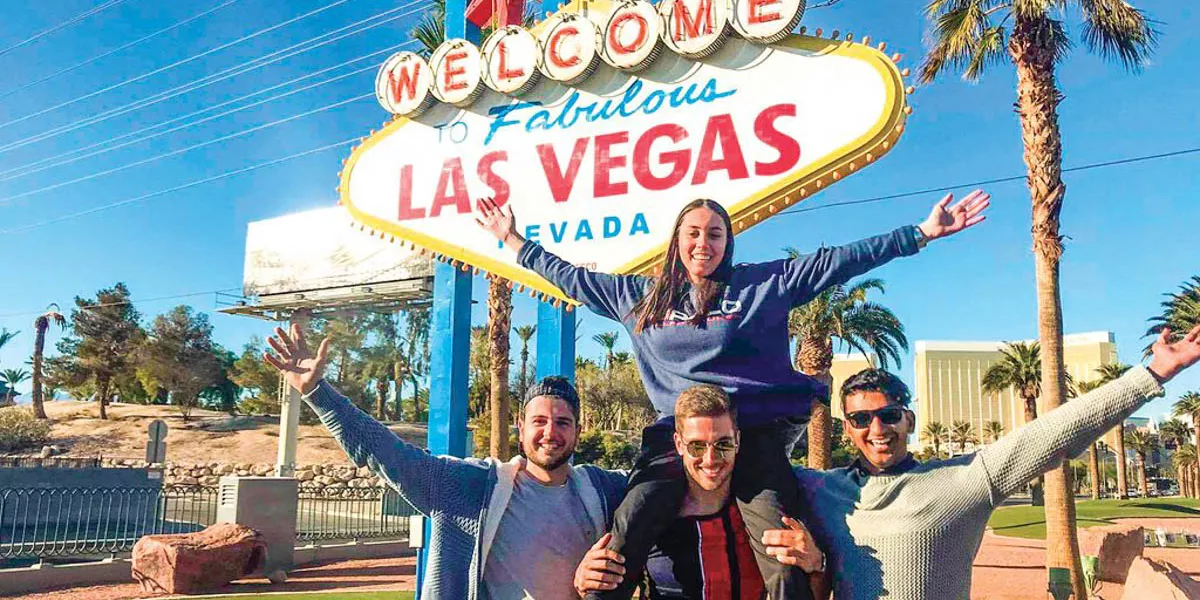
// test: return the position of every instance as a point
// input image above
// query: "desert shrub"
(19, 429)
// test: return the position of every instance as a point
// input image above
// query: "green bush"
(618, 453)
(19, 429)
(590, 448)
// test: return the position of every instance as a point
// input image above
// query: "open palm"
(947, 220)
(301, 369)
(1171, 358)
(497, 220)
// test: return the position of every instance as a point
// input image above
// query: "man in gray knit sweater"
(892, 527)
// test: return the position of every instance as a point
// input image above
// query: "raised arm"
(611, 296)
(808, 275)
(1068, 430)
(421, 478)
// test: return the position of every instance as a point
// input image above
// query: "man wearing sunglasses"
(705, 552)
(892, 527)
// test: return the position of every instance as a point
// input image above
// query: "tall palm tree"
(1176, 435)
(6, 336)
(936, 433)
(13, 377)
(1020, 368)
(1107, 373)
(1081, 388)
(1142, 442)
(971, 35)
(844, 313)
(1188, 405)
(40, 325)
(499, 326)
(524, 333)
(962, 433)
(993, 430)
(1185, 463)
(1181, 311)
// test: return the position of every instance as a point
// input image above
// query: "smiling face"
(548, 432)
(881, 445)
(701, 241)
(713, 469)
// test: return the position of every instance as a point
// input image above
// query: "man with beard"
(500, 531)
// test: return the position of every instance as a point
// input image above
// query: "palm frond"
(957, 34)
(1114, 29)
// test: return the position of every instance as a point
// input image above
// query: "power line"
(69, 22)
(973, 184)
(182, 187)
(116, 50)
(224, 138)
(68, 158)
(355, 28)
(173, 65)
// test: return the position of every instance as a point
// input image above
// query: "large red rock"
(1116, 546)
(1159, 580)
(187, 563)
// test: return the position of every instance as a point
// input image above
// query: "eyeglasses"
(888, 415)
(725, 447)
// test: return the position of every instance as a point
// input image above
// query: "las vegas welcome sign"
(601, 122)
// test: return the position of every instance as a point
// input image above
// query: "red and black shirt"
(705, 558)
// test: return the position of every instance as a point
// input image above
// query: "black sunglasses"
(725, 447)
(889, 415)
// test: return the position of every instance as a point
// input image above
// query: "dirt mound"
(208, 436)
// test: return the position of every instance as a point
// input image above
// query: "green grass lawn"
(1030, 521)
(327, 596)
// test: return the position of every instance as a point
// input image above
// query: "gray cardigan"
(464, 498)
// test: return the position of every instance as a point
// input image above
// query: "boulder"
(210, 480)
(363, 472)
(48, 451)
(316, 469)
(226, 470)
(187, 480)
(1116, 546)
(304, 475)
(345, 476)
(261, 470)
(1149, 578)
(188, 563)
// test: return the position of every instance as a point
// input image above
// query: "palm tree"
(524, 333)
(1181, 311)
(40, 325)
(12, 377)
(6, 336)
(971, 35)
(1107, 373)
(1142, 442)
(1176, 435)
(1081, 388)
(607, 340)
(993, 430)
(1185, 463)
(962, 433)
(499, 325)
(1020, 367)
(936, 433)
(1188, 405)
(844, 313)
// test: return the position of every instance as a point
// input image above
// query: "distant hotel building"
(948, 380)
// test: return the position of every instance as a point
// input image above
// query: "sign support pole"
(555, 341)
(451, 336)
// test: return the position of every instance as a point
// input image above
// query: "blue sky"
(1131, 229)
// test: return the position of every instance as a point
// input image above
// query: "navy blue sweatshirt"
(744, 346)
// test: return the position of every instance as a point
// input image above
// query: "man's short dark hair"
(878, 380)
(554, 386)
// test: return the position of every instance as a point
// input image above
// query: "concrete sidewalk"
(361, 575)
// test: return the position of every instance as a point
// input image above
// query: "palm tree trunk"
(499, 323)
(1037, 486)
(39, 343)
(381, 390)
(815, 360)
(1094, 470)
(1033, 53)
(1142, 474)
(1122, 479)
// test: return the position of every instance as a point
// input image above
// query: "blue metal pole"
(555, 341)
(451, 337)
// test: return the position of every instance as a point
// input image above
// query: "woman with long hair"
(703, 320)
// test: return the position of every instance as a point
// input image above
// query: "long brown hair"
(670, 285)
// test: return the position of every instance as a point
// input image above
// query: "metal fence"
(59, 522)
(46, 522)
(351, 513)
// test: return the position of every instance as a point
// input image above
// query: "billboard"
(602, 121)
(302, 252)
